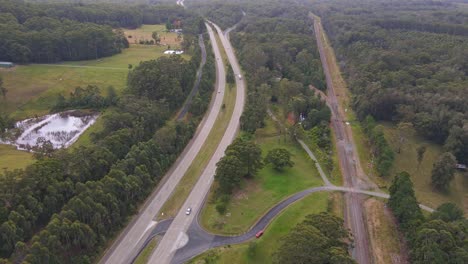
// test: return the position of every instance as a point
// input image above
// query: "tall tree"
(420, 151)
(3, 89)
(403, 202)
(249, 153)
(229, 173)
(280, 158)
(443, 171)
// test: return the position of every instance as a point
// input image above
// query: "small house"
(5, 64)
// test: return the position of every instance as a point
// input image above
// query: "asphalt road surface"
(127, 245)
(201, 241)
(176, 236)
(349, 162)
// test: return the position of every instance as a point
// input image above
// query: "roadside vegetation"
(437, 238)
(405, 70)
(279, 79)
(94, 188)
(261, 250)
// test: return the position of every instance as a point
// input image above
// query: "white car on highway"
(188, 211)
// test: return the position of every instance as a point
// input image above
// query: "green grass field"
(265, 190)
(406, 160)
(32, 89)
(270, 241)
(11, 159)
(146, 252)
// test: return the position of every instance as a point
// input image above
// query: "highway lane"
(176, 236)
(349, 161)
(127, 245)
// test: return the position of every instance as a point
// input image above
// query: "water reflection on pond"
(61, 129)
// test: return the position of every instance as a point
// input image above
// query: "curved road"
(200, 240)
(127, 245)
(176, 236)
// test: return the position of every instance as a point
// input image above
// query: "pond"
(61, 129)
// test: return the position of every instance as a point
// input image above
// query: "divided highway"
(127, 245)
(176, 236)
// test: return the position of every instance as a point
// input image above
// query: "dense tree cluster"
(320, 238)
(279, 158)
(89, 97)
(441, 238)
(443, 171)
(274, 42)
(382, 151)
(405, 61)
(167, 78)
(242, 160)
(46, 32)
(77, 199)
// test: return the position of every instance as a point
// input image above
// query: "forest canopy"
(405, 61)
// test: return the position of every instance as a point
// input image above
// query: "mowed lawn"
(267, 188)
(406, 160)
(11, 159)
(264, 247)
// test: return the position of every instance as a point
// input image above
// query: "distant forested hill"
(406, 61)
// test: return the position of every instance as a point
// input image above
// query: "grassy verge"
(406, 160)
(265, 190)
(172, 206)
(11, 158)
(146, 252)
(270, 241)
(383, 233)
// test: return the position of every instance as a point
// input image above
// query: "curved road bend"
(200, 240)
(125, 248)
(176, 236)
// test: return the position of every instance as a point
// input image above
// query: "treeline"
(403, 66)
(112, 14)
(86, 98)
(43, 32)
(320, 238)
(450, 29)
(44, 39)
(278, 53)
(439, 238)
(381, 150)
(80, 198)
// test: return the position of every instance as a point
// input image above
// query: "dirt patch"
(387, 244)
(251, 186)
(8, 69)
